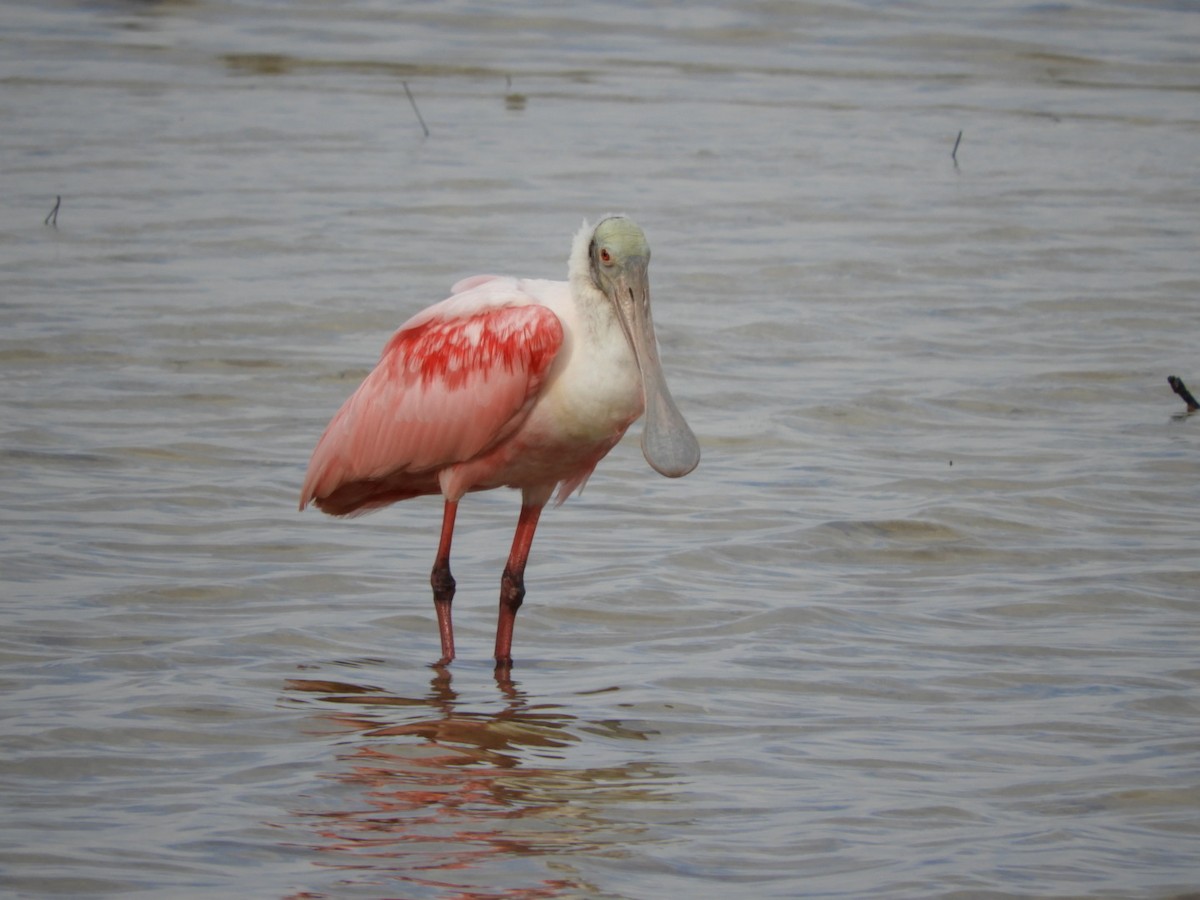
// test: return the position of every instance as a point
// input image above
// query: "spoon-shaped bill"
(667, 442)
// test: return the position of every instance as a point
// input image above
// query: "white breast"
(595, 389)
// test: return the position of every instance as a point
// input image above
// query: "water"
(923, 623)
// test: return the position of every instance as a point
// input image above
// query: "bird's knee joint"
(512, 590)
(443, 583)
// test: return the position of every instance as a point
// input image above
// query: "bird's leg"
(443, 584)
(512, 583)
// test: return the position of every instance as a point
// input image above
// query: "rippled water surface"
(923, 623)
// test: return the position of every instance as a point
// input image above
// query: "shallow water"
(923, 623)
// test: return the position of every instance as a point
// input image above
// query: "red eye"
(605, 256)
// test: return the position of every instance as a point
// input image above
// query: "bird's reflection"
(467, 803)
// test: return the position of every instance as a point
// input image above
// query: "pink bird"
(519, 383)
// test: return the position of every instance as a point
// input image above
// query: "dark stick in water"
(52, 216)
(413, 101)
(1180, 388)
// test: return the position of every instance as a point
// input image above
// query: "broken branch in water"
(413, 101)
(954, 152)
(52, 216)
(1180, 388)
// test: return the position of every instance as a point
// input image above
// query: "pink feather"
(452, 383)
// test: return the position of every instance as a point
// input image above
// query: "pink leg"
(443, 584)
(512, 583)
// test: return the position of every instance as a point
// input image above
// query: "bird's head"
(618, 260)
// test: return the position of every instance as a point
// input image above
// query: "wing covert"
(450, 384)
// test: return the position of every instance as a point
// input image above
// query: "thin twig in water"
(1180, 388)
(413, 101)
(52, 216)
(954, 152)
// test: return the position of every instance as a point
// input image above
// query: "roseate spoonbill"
(510, 382)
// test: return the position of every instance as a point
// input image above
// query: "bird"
(509, 382)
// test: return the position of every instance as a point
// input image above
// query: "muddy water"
(923, 623)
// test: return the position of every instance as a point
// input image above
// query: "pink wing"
(453, 382)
